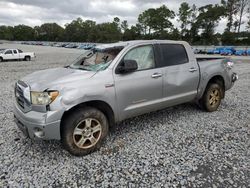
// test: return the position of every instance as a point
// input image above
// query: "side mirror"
(127, 66)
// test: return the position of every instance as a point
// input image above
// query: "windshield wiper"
(82, 68)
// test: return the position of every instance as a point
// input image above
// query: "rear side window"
(8, 52)
(172, 54)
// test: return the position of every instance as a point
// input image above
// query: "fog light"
(39, 132)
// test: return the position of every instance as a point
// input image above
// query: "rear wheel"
(1, 59)
(84, 130)
(27, 58)
(212, 97)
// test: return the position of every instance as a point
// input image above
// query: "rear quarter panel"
(210, 69)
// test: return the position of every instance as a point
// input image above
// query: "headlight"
(230, 64)
(43, 98)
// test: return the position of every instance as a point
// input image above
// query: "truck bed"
(208, 58)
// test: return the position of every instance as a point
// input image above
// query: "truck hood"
(51, 78)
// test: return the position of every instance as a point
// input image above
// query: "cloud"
(36, 12)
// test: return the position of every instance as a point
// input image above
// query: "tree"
(145, 19)
(248, 23)
(185, 13)
(228, 38)
(6, 33)
(49, 32)
(194, 30)
(124, 25)
(79, 30)
(208, 19)
(156, 20)
(133, 33)
(23, 33)
(242, 8)
(231, 7)
(108, 32)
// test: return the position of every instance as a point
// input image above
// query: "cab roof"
(123, 44)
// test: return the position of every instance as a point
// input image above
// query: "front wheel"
(84, 130)
(212, 97)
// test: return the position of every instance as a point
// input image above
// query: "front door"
(8, 55)
(140, 91)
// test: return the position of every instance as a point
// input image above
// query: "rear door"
(140, 91)
(180, 74)
(8, 55)
(15, 54)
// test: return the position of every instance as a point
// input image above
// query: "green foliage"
(23, 32)
(124, 25)
(185, 13)
(228, 38)
(156, 20)
(6, 33)
(208, 19)
(49, 32)
(197, 26)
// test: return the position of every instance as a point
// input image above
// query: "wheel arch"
(104, 107)
(219, 80)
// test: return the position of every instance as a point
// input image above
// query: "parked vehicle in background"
(240, 52)
(77, 104)
(71, 45)
(15, 54)
(86, 46)
(222, 51)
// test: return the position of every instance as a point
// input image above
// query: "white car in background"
(15, 54)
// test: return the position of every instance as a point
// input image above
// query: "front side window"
(15, 52)
(8, 52)
(143, 55)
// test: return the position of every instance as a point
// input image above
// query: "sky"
(37, 12)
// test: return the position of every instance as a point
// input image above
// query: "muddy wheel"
(212, 97)
(84, 130)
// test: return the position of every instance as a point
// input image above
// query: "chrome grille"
(19, 94)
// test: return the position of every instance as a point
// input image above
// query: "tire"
(27, 58)
(83, 131)
(212, 97)
(1, 59)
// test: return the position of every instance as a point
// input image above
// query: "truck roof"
(122, 44)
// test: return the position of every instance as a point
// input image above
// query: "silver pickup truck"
(78, 103)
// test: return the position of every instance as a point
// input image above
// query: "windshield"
(96, 59)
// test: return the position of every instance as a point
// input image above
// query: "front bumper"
(39, 125)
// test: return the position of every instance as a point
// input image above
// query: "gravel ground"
(180, 146)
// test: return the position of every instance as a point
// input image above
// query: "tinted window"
(8, 52)
(15, 52)
(172, 54)
(143, 55)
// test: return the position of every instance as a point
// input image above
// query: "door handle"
(192, 69)
(156, 75)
